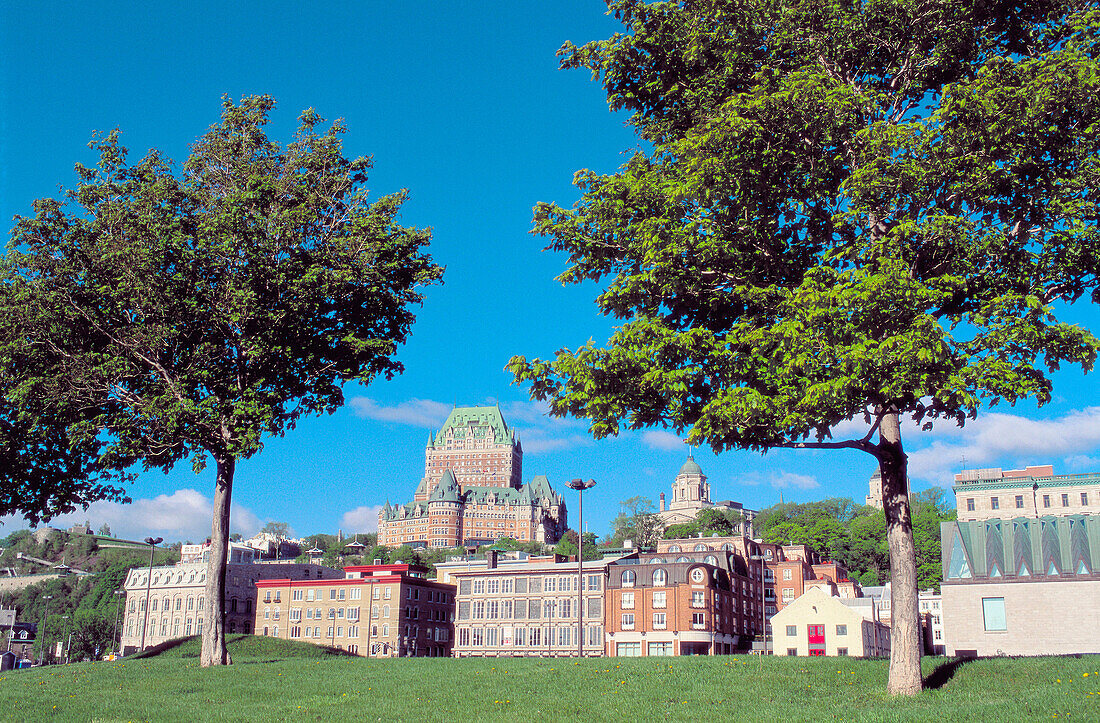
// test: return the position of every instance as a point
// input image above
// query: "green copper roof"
(691, 467)
(473, 420)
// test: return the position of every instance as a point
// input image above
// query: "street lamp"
(763, 611)
(66, 648)
(580, 486)
(114, 635)
(46, 617)
(152, 543)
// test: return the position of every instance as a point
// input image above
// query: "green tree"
(844, 211)
(637, 522)
(104, 530)
(682, 530)
(279, 529)
(188, 315)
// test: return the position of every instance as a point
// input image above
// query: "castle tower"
(690, 489)
(476, 444)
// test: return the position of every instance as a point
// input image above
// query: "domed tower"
(690, 490)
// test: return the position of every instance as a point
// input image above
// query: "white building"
(817, 623)
(993, 494)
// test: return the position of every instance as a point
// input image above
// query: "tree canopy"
(843, 211)
(184, 314)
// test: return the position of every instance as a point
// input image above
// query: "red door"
(816, 634)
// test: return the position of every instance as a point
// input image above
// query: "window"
(1046, 500)
(660, 649)
(842, 651)
(994, 503)
(970, 504)
(698, 575)
(792, 652)
(659, 598)
(787, 574)
(842, 630)
(1019, 502)
(660, 577)
(628, 578)
(628, 621)
(628, 600)
(659, 621)
(792, 631)
(697, 599)
(1084, 498)
(788, 594)
(698, 621)
(993, 610)
(628, 650)
(1065, 500)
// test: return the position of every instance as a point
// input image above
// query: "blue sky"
(462, 103)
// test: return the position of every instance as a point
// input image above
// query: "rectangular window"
(309, 596)
(697, 599)
(1065, 500)
(841, 629)
(659, 621)
(792, 652)
(792, 631)
(787, 574)
(628, 600)
(659, 599)
(698, 621)
(1084, 498)
(536, 637)
(594, 582)
(660, 649)
(628, 650)
(994, 503)
(1046, 500)
(993, 609)
(548, 584)
(842, 651)
(970, 504)
(788, 594)
(628, 621)
(1019, 502)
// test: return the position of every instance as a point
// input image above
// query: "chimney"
(662, 502)
(491, 559)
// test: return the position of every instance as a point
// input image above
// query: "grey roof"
(691, 466)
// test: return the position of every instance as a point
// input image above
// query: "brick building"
(988, 494)
(700, 604)
(528, 609)
(471, 492)
(377, 611)
(177, 597)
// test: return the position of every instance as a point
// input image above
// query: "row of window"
(522, 585)
(519, 637)
(660, 577)
(792, 630)
(660, 621)
(138, 604)
(634, 650)
(995, 502)
(659, 599)
(526, 609)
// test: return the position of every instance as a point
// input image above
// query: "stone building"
(375, 611)
(176, 596)
(528, 609)
(1021, 586)
(471, 492)
(691, 494)
(988, 494)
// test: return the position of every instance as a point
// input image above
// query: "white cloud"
(361, 519)
(537, 441)
(782, 480)
(414, 412)
(660, 439)
(183, 515)
(996, 439)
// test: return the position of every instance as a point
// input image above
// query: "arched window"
(660, 577)
(673, 548)
(628, 578)
(700, 547)
(681, 558)
(727, 547)
(711, 560)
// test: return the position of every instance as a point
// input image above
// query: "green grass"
(279, 680)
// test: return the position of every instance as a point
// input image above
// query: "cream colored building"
(994, 493)
(691, 494)
(176, 596)
(817, 623)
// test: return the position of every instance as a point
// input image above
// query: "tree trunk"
(214, 651)
(905, 638)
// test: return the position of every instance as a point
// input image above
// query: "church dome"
(691, 467)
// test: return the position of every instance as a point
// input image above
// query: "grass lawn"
(278, 680)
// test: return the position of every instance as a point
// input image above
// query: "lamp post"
(580, 486)
(114, 635)
(152, 542)
(763, 611)
(66, 648)
(45, 649)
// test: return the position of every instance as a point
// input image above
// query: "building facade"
(988, 494)
(1021, 586)
(818, 623)
(691, 494)
(176, 596)
(375, 611)
(930, 606)
(471, 492)
(529, 610)
(698, 605)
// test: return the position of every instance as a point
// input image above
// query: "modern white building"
(994, 493)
